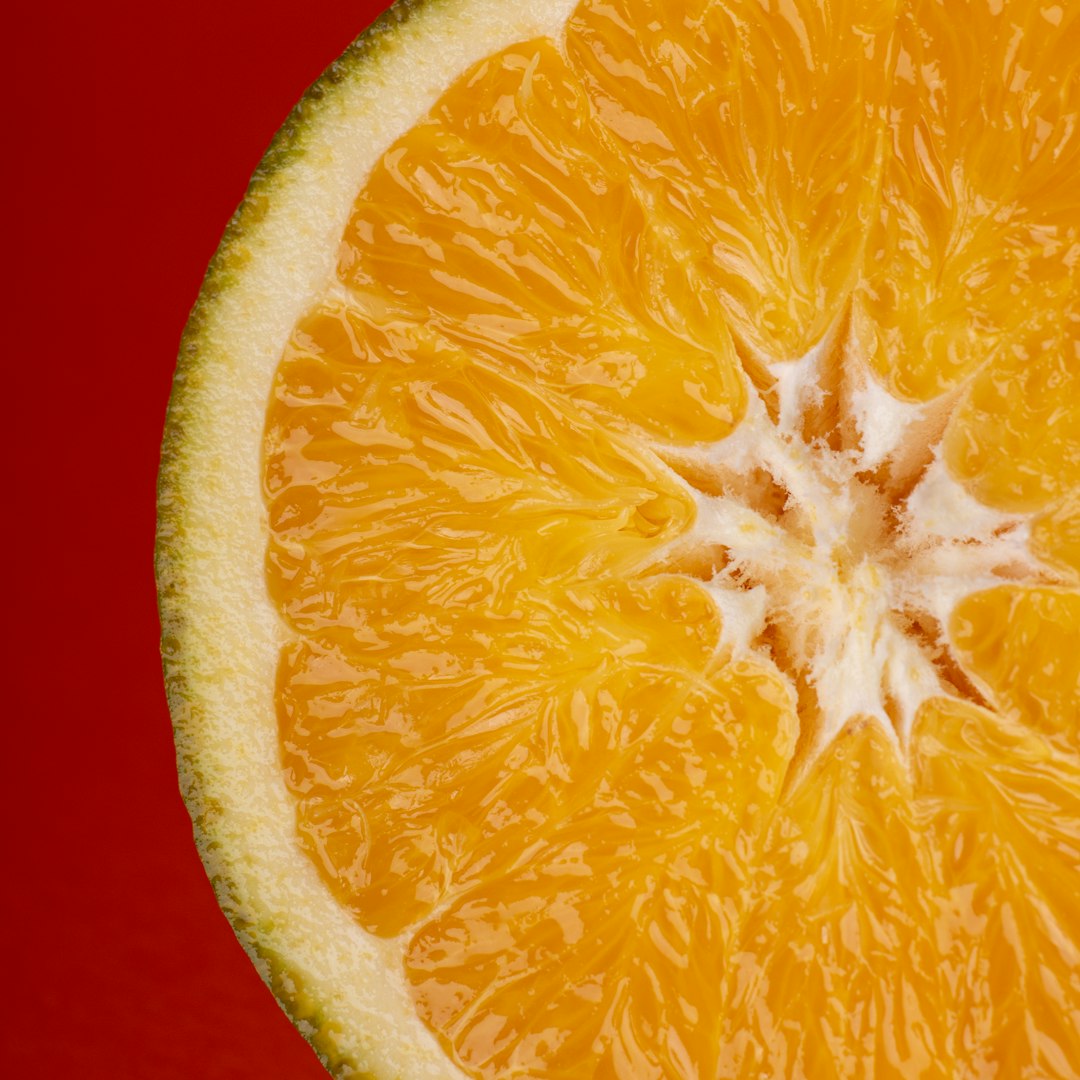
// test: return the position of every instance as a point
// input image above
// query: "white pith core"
(836, 543)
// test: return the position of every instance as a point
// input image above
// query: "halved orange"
(620, 544)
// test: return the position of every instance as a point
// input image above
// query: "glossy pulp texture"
(513, 724)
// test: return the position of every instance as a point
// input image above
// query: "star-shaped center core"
(836, 544)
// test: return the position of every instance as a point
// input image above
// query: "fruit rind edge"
(386, 58)
(284, 979)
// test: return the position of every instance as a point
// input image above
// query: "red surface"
(129, 144)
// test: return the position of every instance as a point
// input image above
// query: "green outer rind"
(193, 544)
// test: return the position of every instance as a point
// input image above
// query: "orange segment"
(979, 223)
(398, 482)
(1015, 439)
(1024, 646)
(506, 225)
(1001, 812)
(756, 131)
(439, 753)
(835, 973)
(599, 953)
(559, 772)
(1055, 534)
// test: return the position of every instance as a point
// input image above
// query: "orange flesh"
(615, 843)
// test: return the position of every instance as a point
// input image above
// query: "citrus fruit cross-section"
(619, 544)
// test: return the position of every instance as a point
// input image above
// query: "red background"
(130, 135)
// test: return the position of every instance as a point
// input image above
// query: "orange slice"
(619, 545)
